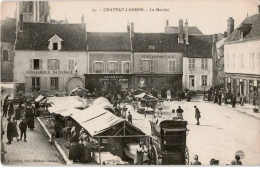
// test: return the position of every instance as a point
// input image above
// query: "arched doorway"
(73, 83)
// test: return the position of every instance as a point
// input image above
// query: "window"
(36, 64)
(192, 80)
(5, 55)
(126, 67)
(204, 80)
(147, 66)
(71, 64)
(113, 67)
(151, 47)
(98, 67)
(204, 63)
(35, 83)
(171, 65)
(192, 63)
(54, 83)
(53, 64)
(55, 46)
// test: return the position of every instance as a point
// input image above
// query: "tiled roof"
(8, 28)
(35, 36)
(200, 46)
(253, 33)
(98, 41)
(175, 30)
(158, 42)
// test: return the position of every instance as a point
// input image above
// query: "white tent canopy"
(39, 98)
(79, 88)
(60, 104)
(96, 119)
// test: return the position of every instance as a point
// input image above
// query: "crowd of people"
(213, 161)
(21, 117)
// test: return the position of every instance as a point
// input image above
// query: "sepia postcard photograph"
(130, 83)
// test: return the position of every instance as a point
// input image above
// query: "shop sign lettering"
(48, 72)
(158, 56)
(113, 77)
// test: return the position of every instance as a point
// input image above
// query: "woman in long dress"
(30, 116)
(74, 144)
(169, 95)
(18, 112)
(15, 131)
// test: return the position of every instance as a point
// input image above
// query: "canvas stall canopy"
(100, 122)
(104, 103)
(39, 98)
(60, 104)
(79, 89)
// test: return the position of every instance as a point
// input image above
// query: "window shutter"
(61, 84)
(28, 84)
(103, 68)
(130, 67)
(93, 67)
(40, 64)
(42, 84)
(151, 66)
(49, 64)
(170, 65)
(173, 65)
(47, 83)
(31, 64)
(58, 64)
(117, 67)
(206, 63)
(141, 65)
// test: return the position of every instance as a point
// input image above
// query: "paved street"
(222, 132)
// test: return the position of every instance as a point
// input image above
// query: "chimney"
(128, 27)
(230, 25)
(21, 22)
(167, 23)
(225, 34)
(186, 32)
(132, 29)
(180, 39)
(82, 19)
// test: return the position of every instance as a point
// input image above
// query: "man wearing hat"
(179, 112)
(23, 128)
(237, 161)
(195, 160)
(9, 131)
(197, 115)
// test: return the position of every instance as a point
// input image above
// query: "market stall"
(79, 91)
(145, 103)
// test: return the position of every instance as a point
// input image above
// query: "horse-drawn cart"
(168, 143)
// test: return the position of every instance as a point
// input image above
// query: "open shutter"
(141, 65)
(47, 83)
(49, 64)
(170, 65)
(31, 64)
(103, 68)
(61, 83)
(42, 84)
(58, 64)
(40, 64)
(28, 84)
(151, 66)
(174, 65)
(117, 67)
(93, 67)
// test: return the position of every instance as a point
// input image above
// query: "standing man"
(233, 101)
(140, 153)
(129, 117)
(196, 160)
(23, 128)
(11, 109)
(5, 106)
(197, 115)
(179, 112)
(219, 98)
(9, 131)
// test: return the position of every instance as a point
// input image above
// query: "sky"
(210, 16)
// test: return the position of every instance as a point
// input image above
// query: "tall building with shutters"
(110, 61)
(50, 58)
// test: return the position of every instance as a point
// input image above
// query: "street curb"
(66, 159)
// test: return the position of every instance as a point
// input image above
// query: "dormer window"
(55, 43)
(151, 47)
(244, 29)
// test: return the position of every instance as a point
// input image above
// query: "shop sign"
(158, 56)
(48, 72)
(113, 77)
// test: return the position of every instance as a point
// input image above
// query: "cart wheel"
(186, 156)
(153, 156)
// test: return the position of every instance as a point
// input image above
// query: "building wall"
(23, 71)
(7, 66)
(160, 62)
(248, 64)
(109, 56)
(197, 72)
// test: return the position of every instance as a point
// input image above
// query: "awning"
(79, 88)
(39, 98)
(59, 104)
(140, 95)
(98, 121)
(104, 103)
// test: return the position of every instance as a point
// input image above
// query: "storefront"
(159, 81)
(113, 81)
